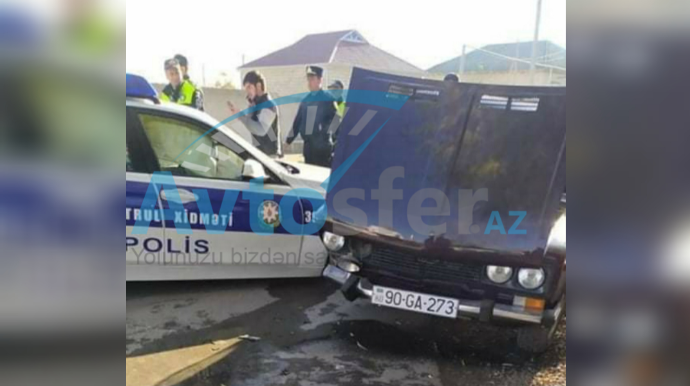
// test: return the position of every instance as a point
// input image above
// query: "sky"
(217, 34)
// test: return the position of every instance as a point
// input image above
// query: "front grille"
(419, 267)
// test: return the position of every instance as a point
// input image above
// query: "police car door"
(214, 165)
(143, 251)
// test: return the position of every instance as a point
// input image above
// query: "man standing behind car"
(263, 124)
(313, 121)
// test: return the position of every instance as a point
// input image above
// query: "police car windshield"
(239, 138)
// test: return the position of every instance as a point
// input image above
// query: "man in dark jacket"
(320, 107)
(263, 124)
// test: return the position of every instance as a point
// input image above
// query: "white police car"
(192, 212)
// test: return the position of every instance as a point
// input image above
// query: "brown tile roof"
(368, 56)
(347, 47)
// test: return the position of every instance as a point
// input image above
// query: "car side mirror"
(253, 170)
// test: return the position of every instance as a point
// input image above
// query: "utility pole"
(535, 45)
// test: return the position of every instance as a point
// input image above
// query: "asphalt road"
(199, 334)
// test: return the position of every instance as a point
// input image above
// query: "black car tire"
(535, 339)
(538, 339)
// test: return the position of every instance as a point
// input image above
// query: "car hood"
(473, 169)
(307, 176)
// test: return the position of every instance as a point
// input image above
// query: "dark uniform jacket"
(318, 140)
(265, 126)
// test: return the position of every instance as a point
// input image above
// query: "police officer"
(336, 89)
(318, 140)
(263, 124)
(184, 66)
(179, 90)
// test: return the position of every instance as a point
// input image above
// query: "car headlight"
(499, 275)
(348, 265)
(333, 242)
(531, 279)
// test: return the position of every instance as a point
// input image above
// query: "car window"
(207, 158)
(230, 165)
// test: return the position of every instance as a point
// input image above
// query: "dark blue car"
(454, 204)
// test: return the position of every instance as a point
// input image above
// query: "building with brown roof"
(337, 52)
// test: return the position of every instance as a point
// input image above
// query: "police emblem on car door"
(270, 214)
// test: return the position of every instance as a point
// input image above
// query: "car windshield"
(240, 138)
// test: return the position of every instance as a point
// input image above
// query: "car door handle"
(185, 196)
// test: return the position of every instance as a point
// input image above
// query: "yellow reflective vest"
(185, 94)
(340, 109)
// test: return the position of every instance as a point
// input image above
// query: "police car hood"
(306, 176)
(459, 167)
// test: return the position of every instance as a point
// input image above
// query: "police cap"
(171, 63)
(337, 85)
(314, 70)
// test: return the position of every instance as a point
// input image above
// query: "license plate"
(413, 301)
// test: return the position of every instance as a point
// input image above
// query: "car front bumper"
(353, 286)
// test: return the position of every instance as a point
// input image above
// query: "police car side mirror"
(252, 170)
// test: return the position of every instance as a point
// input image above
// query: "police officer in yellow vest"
(179, 90)
(336, 89)
(184, 66)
